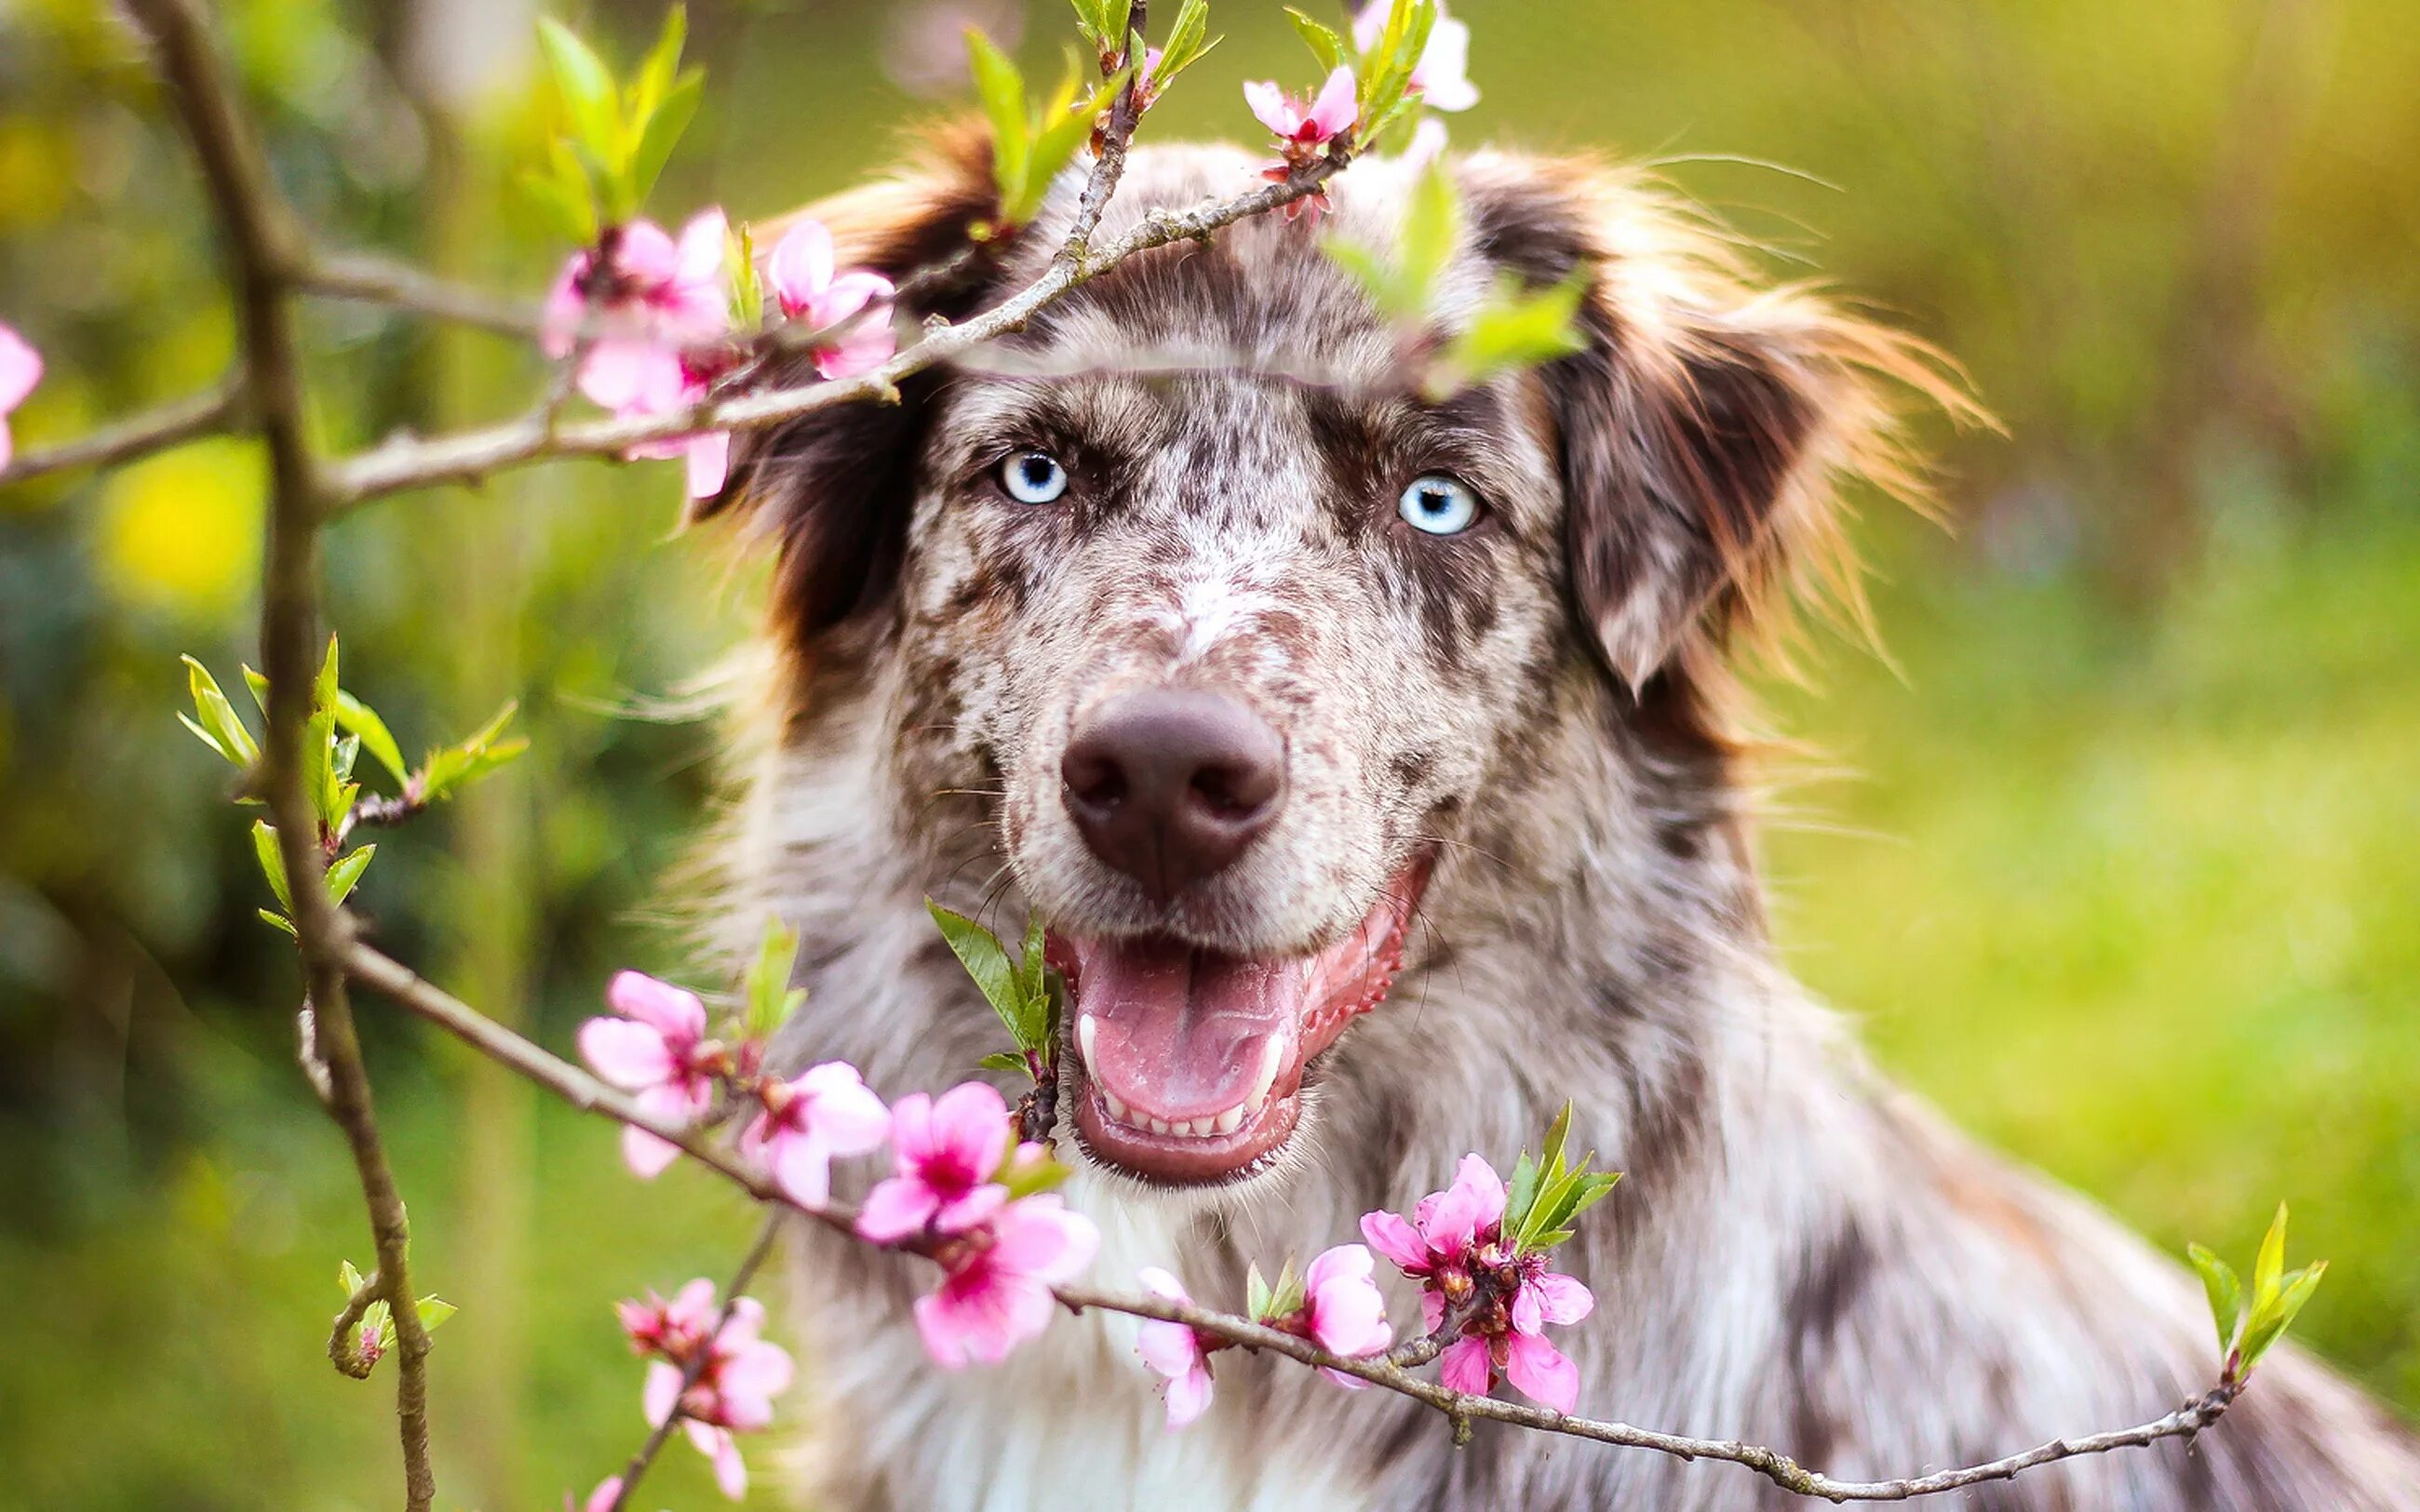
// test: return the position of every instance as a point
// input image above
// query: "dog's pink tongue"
(1178, 1033)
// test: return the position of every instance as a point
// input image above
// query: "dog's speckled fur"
(1800, 1255)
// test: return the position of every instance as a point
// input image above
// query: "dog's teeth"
(1272, 1057)
(1229, 1121)
(1200, 1128)
(1157, 1126)
(1117, 1109)
(1086, 1029)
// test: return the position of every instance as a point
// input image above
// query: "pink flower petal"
(704, 241)
(1390, 1236)
(801, 1166)
(1475, 1201)
(1335, 107)
(608, 1491)
(646, 1155)
(1368, 22)
(863, 350)
(629, 1055)
(751, 1379)
(895, 1209)
(970, 1120)
(21, 368)
(1464, 1367)
(645, 254)
(971, 1210)
(1189, 1396)
(674, 1010)
(1562, 1299)
(1347, 1314)
(1432, 1309)
(661, 1394)
(844, 1111)
(801, 268)
(709, 463)
(565, 310)
(1529, 1316)
(1271, 106)
(1442, 75)
(1427, 144)
(730, 1470)
(1037, 1236)
(1541, 1371)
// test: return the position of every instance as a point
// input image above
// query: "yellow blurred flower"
(180, 532)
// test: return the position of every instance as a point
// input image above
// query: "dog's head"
(1231, 631)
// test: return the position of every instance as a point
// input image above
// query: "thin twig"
(263, 247)
(410, 462)
(348, 1357)
(171, 424)
(662, 1433)
(1391, 1371)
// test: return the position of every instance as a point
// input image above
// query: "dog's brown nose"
(1169, 785)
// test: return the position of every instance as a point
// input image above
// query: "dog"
(1379, 767)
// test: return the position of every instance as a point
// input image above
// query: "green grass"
(2137, 902)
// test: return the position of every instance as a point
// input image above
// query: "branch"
(1391, 1371)
(171, 424)
(471, 457)
(263, 248)
(347, 1356)
(663, 1432)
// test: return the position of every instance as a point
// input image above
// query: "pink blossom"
(1304, 127)
(1175, 1351)
(672, 298)
(800, 277)
(1427, 143)
(1444, 1224)
(1343, 1309)
(1147, 83)
(658, 1050)
(608, 1491)
(947, 1152)
(824, 1111)
(675, 1329)
(996, 1289)
(1442, 75)
(1454, 1244)
(736, 1376)
(21, 368)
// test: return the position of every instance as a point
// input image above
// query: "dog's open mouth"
(1189, 1063)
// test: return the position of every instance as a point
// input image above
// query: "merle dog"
(1378, 767)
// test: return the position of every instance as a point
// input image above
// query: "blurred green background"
(2120, 861)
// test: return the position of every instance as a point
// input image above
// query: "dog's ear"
(832, 490)
(1708, 425)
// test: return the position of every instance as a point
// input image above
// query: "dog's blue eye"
(1033, 477)
(1438, 506)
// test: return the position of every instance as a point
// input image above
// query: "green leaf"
(770, 997)
(1512, 330)
(1188, 42)
(1322, 40)
(259, 686)
(2267, 1270)
(456, 766)
(1256, 1292)
(1000, 90)
(2226, 1293)
(1025, 1173)
(365, 725)
(216, 724)
(1282, 1297)
(1559, 1135)
(278, 920)
(321, 778)
(979, 951)
(562, 191)
(1432, 223)
(433, 1311)
(665, 126)
(1521, 1195)
(349, 1279)
(661, 65)
(2266, 1329)
(272, 864)
(1009, 1060)
(346, 873)
(584, 85)
(1066, 126)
